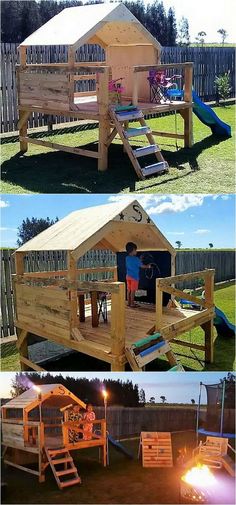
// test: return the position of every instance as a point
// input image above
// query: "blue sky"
(193, 219)
(176, 387)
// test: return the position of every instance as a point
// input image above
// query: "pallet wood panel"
(156, 449)
(13, 435)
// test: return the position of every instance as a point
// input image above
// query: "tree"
(223, 33)
(193, 401)
(142, 397)
(171, 27)
(152, 400)
(201, 37)
(32, 227)
(163, 399)
(211, 245)
(183, 32)
(179, 244)
(20, 384)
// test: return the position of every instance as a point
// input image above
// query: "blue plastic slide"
(223, 326)
(208, 117)
(119, 447)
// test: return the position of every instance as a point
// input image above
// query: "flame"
(199, 476)
(105, 394)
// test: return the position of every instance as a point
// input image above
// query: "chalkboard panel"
(161, 268)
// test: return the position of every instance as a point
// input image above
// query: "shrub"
(223, 87)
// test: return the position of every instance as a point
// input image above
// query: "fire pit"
(196, 485)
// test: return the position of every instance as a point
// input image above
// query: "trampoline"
(220, 412)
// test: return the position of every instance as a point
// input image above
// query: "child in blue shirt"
(133, 265)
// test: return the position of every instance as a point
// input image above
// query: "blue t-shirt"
(133, 264)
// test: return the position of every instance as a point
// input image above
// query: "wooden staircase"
(156, 449)
(121, 116)
(68, 476)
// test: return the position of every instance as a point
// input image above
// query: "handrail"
(92, 67)
(110, 286)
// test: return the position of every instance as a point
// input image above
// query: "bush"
(223, 87)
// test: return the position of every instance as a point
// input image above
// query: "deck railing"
(77, 426)
(167, 285)
(186, 68)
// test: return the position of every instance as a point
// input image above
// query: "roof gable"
(84, 229)
(30, 398)
(75, 26)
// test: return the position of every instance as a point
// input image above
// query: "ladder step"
(155, 168)
(71, 482)
(67, 472)
(61, 460)
(144, 151)
(129, 116)
(136, 132)
(54, 452)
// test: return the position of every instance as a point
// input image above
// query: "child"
(76, 416)
(133, 264)
(89, 416)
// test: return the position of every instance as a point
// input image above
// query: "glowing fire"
(199, 476)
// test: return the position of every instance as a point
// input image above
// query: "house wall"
(123, 58)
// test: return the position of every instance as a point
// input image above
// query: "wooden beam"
(208, 329)
(118, 327)
(209, 288)
(182, 277)
(59, 147)
(84, 66)
(29, 364)
(23, 120)
(182, 294)
(159, 303)
(20, 467)
(88, 77)
(72, 274)
(168, 134)
(164, 66)
(104, 120)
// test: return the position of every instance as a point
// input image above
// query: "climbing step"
(69, 467)
(120, 117)
(136, 132)
(155, 168)
(146, 350)
(144, 151)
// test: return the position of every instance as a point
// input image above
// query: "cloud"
(3, 228)
(225, 197)
(201, 231)
(175, 232)
(4, 204)
(155, 204)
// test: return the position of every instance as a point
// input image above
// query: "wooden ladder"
(121, 117)
(68, 476)
(141, 353)
(156, 449)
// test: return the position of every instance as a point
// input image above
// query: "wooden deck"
(138, 323)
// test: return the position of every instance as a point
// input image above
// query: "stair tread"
(57, 451)
(66, 472)
(136, 132)
(70, 482)
(143, 151)
(156, 167)
(123, 116)
(61, 460)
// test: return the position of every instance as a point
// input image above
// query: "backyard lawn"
(123, 481)
(208, 167)
(223, 355)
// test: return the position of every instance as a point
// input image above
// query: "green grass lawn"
(208, 167)
(223, 349)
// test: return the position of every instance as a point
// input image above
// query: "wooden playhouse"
(35, 431)
(63, 305)
(131, 52)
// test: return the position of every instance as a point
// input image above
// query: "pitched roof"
(108, 226)
(54, 394)
(75, 26)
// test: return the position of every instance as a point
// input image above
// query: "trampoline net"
(214, 407)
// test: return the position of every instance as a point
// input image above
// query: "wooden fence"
(208, 63)
(127, 422)
(186, 261)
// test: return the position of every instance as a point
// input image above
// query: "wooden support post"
(118, 328)
(104, 120)
(159, 303)
(72, 276)
(81, 308)
(104, 436)
(94, 308)
(22, 113)
(135, 88)
(187, 115)
(208, 327)
(71, 64)
(23, 348)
